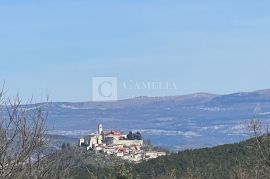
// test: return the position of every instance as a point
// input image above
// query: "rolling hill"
(177, 122)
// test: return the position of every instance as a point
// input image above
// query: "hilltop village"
(129, 147)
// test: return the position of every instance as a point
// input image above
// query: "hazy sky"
(58, 46)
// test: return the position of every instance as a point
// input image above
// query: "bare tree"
(26, 151)
(262, 137)
(22, 139)
(261, 148)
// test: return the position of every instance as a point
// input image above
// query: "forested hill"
(240, 160)
(226, 161)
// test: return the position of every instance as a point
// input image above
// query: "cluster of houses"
(128, 147)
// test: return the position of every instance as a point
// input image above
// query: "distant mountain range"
(179, 122)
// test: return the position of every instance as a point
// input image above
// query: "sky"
(56, 47)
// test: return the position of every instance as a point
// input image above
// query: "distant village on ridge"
(129, 146)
